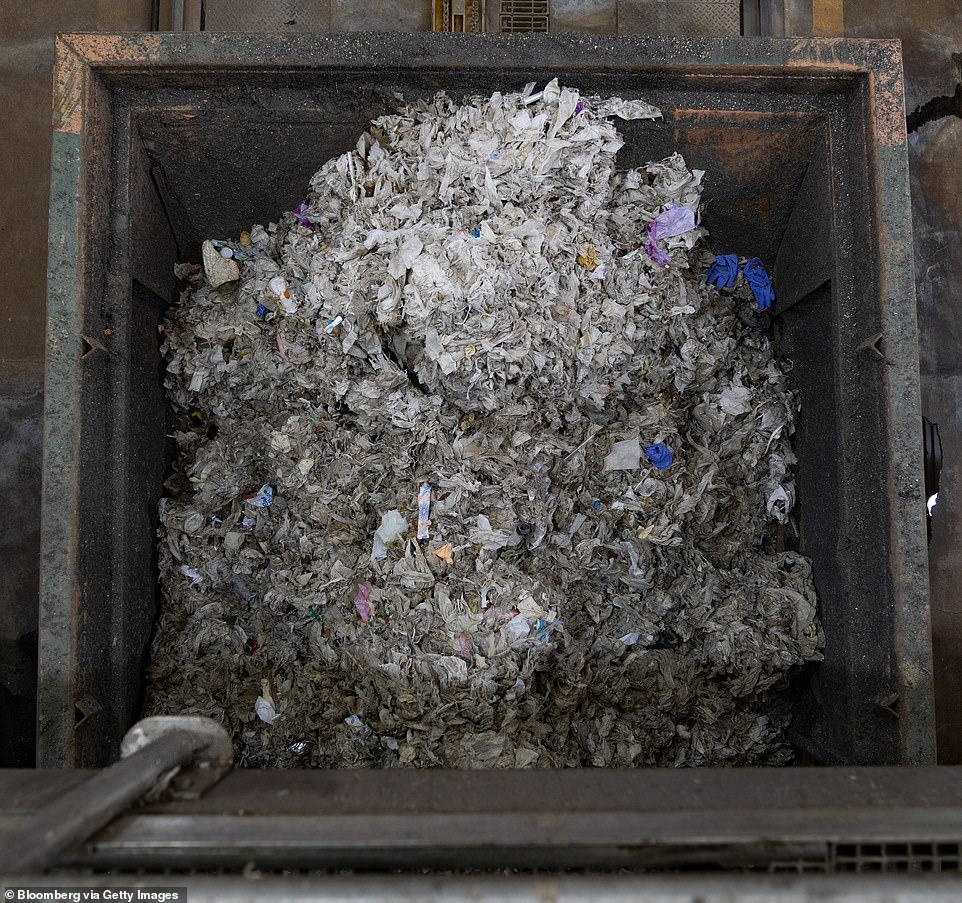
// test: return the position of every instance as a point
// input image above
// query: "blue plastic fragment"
(263, 498)
(476, 233)
(596, 504)
(660, 455)
(262, 311)
(757, 277)
(723, 271)
(543, 629)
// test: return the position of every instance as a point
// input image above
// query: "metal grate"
(878, 857)
(523, 15)
(688, 18)
(266, 15)
(896, 857)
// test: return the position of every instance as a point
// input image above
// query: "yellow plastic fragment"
(588, 258)
(445, 553)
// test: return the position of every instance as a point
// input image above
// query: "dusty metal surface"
(315, 16)
(196, 100)
(679, 17)
(738, 838)
(342, 792)
(59, 589)
(496, 819)
(909, 556)
(931, 37)
(39, 840)
(799, 273)
(169, 53)
(632, 819)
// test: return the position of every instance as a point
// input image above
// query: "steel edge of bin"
(87, 64)
(714, 818)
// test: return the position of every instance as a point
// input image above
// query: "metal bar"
(59, 526)
(720, 818)
(177, 15)
(732, 838)
(346, 792)
(772, 18)
(37, 841)
(751, 18)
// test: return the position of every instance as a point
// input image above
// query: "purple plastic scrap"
(300, 211)
(672, 222)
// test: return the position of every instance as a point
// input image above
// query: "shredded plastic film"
(473, 467)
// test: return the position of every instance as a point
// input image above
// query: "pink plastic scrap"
(671, 223)
(361, 602)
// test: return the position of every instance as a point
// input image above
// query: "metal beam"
(37, 841)
(716, 818)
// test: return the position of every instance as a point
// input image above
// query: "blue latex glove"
(757, 277)
(659, 455)
(723, 271)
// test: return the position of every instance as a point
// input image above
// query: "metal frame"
(769, 819)
(90, 67)
(155, 750)
(639, 819)
(518, 16)
(474, 16)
